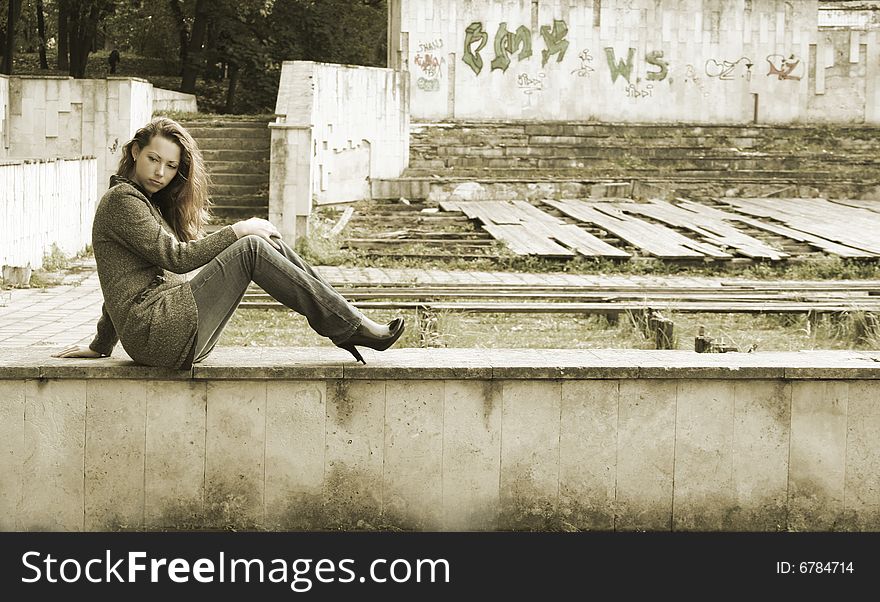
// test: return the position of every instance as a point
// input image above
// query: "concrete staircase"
(236, 154)
(444, 154)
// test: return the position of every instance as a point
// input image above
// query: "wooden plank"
(859, 203)
(530, 213)
(849, 226)
(766, 307)
(529, 231)
(603, 296)
(721, 287)
(677, 238)
(527, 241)
(805, 237)
(579, 240)
(653, 239)
(711, 225)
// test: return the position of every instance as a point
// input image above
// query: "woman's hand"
(77, 351)
(258, 227)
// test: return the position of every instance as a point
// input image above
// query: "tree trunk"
(234, 72)
(73, 26)
(41, 30)
(194, 61)
(83, 28)
(11, 18)
(182, 31)
(63, 34)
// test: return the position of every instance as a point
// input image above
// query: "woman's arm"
(101, 346)
(129, 222)
(106, 339)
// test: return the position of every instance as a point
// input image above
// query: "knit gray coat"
(148, 303)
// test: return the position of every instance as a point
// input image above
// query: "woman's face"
(156, 164)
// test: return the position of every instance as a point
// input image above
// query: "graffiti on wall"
(430, 66)
(435, 44)
(785, 67)
(554, 40)
(729, 70)
(624, 68)
(655, 58)
(691, 76)
(508, 43)
(530, 85)
(586, 64)
(620, 68)
(636, 92)
(473, 34)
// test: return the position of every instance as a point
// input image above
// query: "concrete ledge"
(443, 439)
(529, 364)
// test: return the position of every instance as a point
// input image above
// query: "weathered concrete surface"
(116, 415)
(818, 455)
(52, 494)
(645, 455)
(12, 395)
(519, 439)
(174, 472)
(296, 414)
(471, 454)
(235, 448)
(412, 474)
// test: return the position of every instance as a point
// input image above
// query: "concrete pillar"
(290, 179)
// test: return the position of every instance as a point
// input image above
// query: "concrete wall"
(60, 117)
(44, 203)
(708, 61)
(443, 439)
(4, 116)
(336, 127)
(172, 100)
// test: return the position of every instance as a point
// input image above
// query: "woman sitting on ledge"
(147, 234)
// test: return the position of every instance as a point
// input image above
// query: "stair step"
(241, 179)
(253, 167)
(232, 131)
(239, 213)
(526, 173)
(235, 190)
(229, 154)
(624, 163)
(209, 144)
(567, 150)
(258, 200)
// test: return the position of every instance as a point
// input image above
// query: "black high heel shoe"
(364, 338)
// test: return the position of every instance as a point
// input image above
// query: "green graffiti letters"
(620, 68)
(507, 43)
(474, 33)
(556, 44)
(656, 58)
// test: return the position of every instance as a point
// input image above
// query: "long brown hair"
(184, 203)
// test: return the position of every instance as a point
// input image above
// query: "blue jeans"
(220, 285)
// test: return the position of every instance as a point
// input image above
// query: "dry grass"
(549, 331)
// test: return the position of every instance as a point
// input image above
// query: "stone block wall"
(45, 203)
(60, 117)
(336, 128)
(705, 61)
(453, 439)
(172, 100)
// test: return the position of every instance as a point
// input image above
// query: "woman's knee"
(253, 242)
